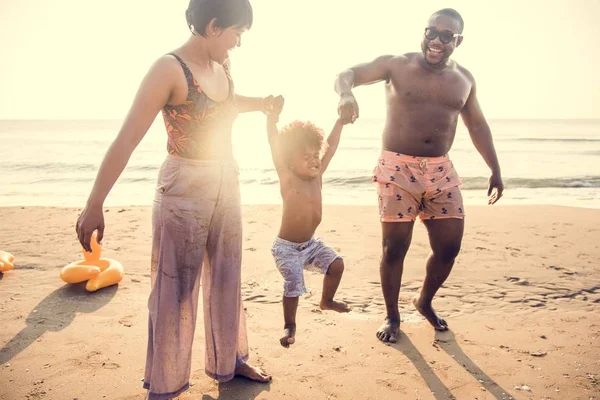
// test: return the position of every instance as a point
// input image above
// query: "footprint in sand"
(261, 298)
(93, 361)
(356, 314)
(392, 384)
(256, 296)
(93, 354)
(564, 271)
(126, 321)
(536, 303)
(517, 281)
(110, 365)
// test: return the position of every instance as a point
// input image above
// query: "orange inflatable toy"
(99, 272)
(6, 261)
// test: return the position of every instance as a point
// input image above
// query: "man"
(425, 92)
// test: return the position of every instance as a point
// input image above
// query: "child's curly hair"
(297, 136)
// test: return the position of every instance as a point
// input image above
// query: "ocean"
(54, 163)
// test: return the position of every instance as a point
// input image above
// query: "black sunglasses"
(445, 36)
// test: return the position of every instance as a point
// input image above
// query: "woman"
(196, 217)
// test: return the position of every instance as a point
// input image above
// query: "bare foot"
(148, 397)
(428, 312)
(289, 333)
(389, 330)
(252, 373)
(335, 305)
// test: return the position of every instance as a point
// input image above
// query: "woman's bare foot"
(289, 333)
(335, 305)
(253, 373)
(148, 397)
(389, 331)
(429, 313)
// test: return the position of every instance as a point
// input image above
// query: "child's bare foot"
(253, 373)
(429, 313)
(335, 305)
(289, 333)
(389, 331)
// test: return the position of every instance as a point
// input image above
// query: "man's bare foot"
(289, 333)
(429, 313)
(335, 305)
(389, 331)
(252, 373)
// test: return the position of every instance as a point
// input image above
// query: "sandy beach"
(522, 303)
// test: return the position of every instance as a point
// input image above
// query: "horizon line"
(363, 118)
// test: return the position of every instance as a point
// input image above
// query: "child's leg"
(290, 305)
(289, 262)
(330, 285)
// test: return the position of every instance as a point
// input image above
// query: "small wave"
(533, 183)
(264, 181)
(50, 167)
(591, 153)
(359, 148)
(472, 183)
(55, 167)
(356, 180)
(561, 140)
(469, 183)
(80, 180)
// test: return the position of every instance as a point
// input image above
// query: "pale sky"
(74, 59)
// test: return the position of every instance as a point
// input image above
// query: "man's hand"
(495, 189)
(348, 109)
(277, 105)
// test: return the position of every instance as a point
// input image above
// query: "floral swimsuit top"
(200, 128)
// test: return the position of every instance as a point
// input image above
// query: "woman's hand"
(90, 220)
(272, 106)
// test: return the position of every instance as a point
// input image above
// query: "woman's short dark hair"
(227, 13)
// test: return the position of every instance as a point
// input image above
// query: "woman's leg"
(180, 231)
(224, 318)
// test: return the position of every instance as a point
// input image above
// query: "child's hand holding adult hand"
(273, 106)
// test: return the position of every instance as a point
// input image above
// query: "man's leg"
(395, 243)
(445, 237)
